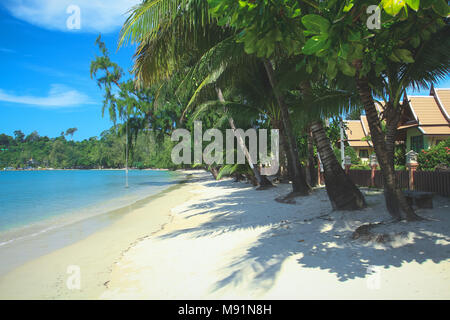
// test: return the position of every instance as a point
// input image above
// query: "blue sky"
(45, 83)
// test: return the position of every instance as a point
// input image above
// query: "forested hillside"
(106, 151)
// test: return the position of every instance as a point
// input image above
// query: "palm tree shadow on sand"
(312, 229)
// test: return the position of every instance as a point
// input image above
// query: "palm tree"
(70, 132)
(299, 184)
(431, 63)
(158, 49)
(343, 193)
(324, 100)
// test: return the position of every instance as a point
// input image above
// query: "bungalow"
(358, 133)
(425, 121)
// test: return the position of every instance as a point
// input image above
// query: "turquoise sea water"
(46, 199)
(42, 211)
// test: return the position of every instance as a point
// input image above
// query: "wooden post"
(347, 168)
(412, 169)
(373, 166)
(347, 164)
(372, 175)
(320, 178)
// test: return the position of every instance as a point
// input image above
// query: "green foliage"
(360, 167)
(437, 155)
(189, 49)
(264, 24)
(400, 155)
(339, 35)
(349, 151)
(92, 153)
(354, 115)
(230, 169)
(334, 131)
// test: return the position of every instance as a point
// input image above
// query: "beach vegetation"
(285, 65)
(104, 152)
(435, 158)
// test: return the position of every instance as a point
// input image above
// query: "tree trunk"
(383, 144)
(343, 193)
(262, 181)
(299, 184)
(238, 177)
(283, 173)
(251, 179)
(311, 170)
(214, 171)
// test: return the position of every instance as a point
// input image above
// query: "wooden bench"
(423, 200)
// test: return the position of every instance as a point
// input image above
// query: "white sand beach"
(224, 240)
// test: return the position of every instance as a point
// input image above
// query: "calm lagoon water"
(42, 211)
(46, 199)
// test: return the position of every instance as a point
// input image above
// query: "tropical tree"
(71, 131)
(19, 135)
(265, 29)
(174, 33)
(133, 105)
(405, 52)
(340, 37)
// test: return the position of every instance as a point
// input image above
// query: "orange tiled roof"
(430, 116)
(359, 143)
(443, 99)
(355, 133)
(436, 130)
(365, 125)
(427, 111)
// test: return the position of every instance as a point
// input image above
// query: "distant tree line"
(106, 151)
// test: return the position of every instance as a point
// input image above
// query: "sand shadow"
(311, 228)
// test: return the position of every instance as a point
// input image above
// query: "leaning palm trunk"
(311, 171)
(299, 184)
(384, 144)
(343, 193)
(214, 171)
(261, 180)
(283, 173)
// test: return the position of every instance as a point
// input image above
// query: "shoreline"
(234, 242)
(50, 234)
(212, 239)
(82, 241)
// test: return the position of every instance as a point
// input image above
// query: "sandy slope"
(232, 242)
(47, 276)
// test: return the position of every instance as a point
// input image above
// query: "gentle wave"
(142, 185)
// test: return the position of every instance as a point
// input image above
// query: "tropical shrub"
(360, 167)
(437, 155)
(349, 151)
(400, 155)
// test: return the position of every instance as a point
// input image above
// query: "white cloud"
(96, 15)
(59, 96)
